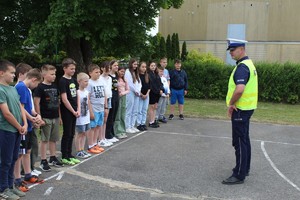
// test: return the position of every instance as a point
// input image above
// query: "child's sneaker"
(104, 143)
(163, 120)
(86, 153)
(181, 117)
(45, 166)
(99, 148)
(74, 160)
(22, 186)
(8, 194)
(67, 161)
(145, 127)
(80, 154)
(93, 150)
(18, 192)
(171, 117)
(55, 162)
(33, 179)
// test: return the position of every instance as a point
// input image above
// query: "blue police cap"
(234, 43)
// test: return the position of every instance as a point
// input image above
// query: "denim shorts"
(98, 120)
(177, 95)
(82, 128)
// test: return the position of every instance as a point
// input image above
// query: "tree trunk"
(74, 52)
(87, 52)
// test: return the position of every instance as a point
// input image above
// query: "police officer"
(241, 100)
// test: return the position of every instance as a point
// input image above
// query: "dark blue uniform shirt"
(242, 73)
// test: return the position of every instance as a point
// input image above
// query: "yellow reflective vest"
(248, 100)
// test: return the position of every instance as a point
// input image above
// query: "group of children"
(102, 106)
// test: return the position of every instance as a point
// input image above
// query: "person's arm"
(92, 116)
(185, 83)
(37, 101)
(12, 120)
(78, 105)
(127, 90)
(67, 104)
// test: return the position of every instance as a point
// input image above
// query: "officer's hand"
(230, 110)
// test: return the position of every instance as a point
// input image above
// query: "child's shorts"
(153, 98)
(177, 95)
(50, 131)
(82, 128)
(99, 119)
(25, 144)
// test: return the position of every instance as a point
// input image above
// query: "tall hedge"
(208, 79)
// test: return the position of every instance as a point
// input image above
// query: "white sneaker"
(36, 172)
(115, 139)
(102, 143)
(108, 142)
(129, 130)
(135, 129)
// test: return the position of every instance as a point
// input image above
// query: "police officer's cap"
(234, 43)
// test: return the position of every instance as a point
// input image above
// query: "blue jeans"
(132, 105)
(9, 149)
(142, 113)
(241, 142)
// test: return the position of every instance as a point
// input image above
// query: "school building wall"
(271, 26)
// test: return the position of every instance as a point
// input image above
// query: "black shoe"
(232, 180)
(55, 162)
(156, 122)
(181, 117)
(163, 120)
(140, 127)
(145, 127)
(45, 166)
(153, 125)
(171, 117)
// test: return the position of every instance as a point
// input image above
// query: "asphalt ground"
(182, 160)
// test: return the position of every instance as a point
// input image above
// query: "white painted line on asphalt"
(221, 137)
(60, 175)
(83, 161)
(48, 191)
(262, 145)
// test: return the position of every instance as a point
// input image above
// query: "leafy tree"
(174, 46)
(184, 52)
(169, 47)
(162, 48)
(177, 50)
(114, 27)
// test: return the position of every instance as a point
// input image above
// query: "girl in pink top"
(123, 88)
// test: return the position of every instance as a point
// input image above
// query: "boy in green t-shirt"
(12, 123)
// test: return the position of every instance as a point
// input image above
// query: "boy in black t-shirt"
(46, 102)
(70, 110)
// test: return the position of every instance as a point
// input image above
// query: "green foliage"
(177, 50)
(208, 79)
(184, 52)
(99, 60)
(162, 48)
(169, 47)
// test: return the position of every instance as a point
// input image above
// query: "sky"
(154, 30)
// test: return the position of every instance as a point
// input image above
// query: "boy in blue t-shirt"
(12, 124)
(33, 78)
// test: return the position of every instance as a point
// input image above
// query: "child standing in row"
(33, 78)
(119, 126)
(132, 98)
(12, 123)
(70, 110)
(162, 103)
(46, 101)
(156, 89)
(144, 97)
(110, 134)
(83, 121)
(107, 81)
(97, 101)
(178, 86)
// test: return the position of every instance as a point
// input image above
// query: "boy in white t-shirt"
(163, 100)
(83, 121)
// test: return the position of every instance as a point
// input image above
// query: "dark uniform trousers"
(241, 142)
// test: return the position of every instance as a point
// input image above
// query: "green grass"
(266, 112)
